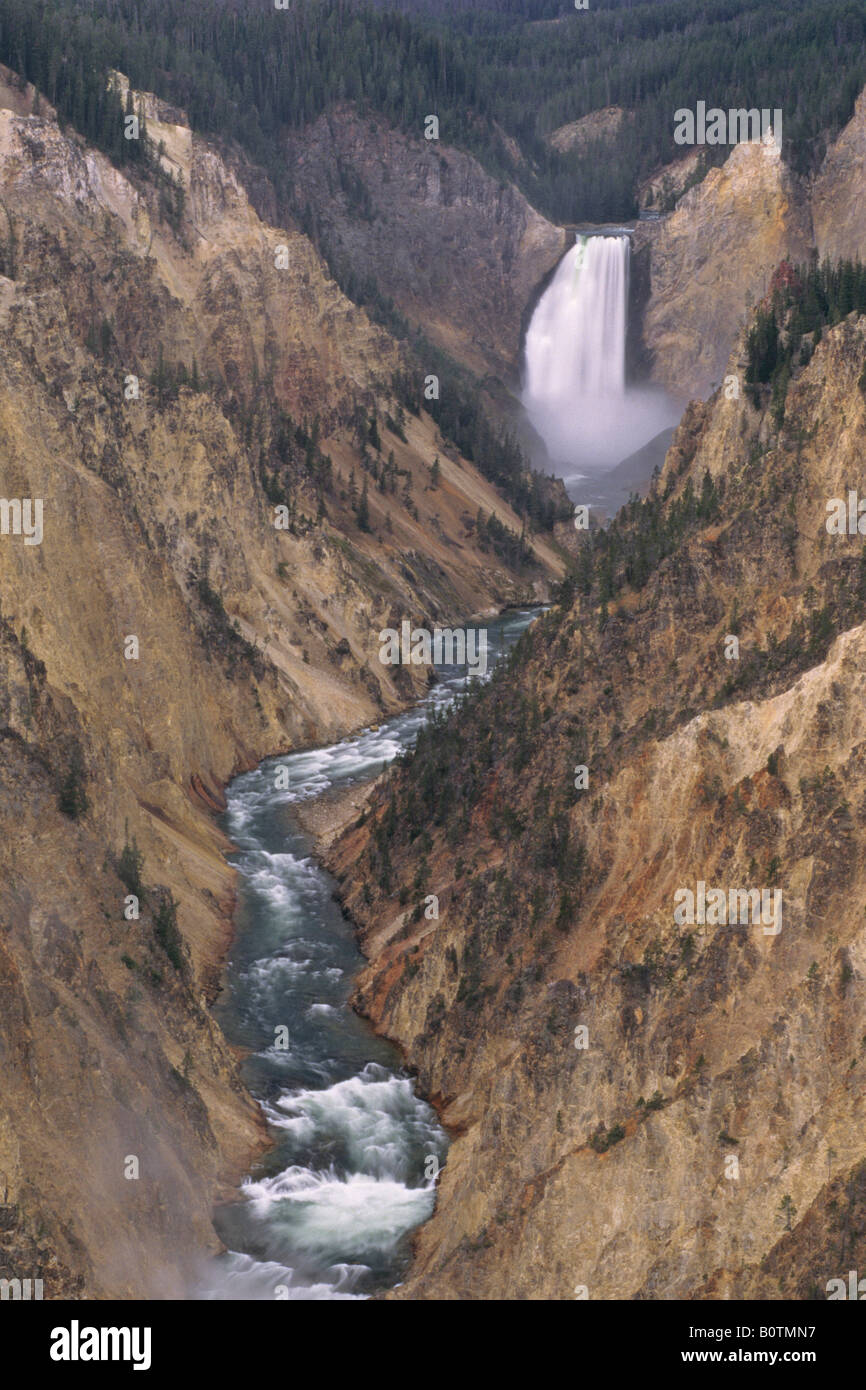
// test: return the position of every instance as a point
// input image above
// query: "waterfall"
(575, 347)
(575, 393)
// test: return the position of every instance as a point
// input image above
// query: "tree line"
(516, 68)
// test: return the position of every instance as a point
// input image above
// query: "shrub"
(166, 931)
(72, 800)
(602, 1141)
(129, 867)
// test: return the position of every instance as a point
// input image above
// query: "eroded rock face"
(597, 127)
(704, 1138)
(703, 266)
(250, 641)
(669, 183)
(838, 193)
(712, 257)
(459, 253)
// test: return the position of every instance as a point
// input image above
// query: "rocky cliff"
(643, 1105)
(710, 258)
(233, 504)
(598, 128)
(697, 271)
(837, 195)
(459, 253)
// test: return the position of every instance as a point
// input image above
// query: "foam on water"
(324, 1215)
(329, 1211)
(242, 1277)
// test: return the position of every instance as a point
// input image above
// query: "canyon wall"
(711, 258)
(459, 253)
(172, 367)
(645, 1107)
(837, 195)
(700, 269)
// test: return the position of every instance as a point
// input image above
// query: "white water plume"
(575, 391)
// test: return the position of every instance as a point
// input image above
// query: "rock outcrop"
(663, 189)
(710, 258)
(459, 253)
(838, 192)
(598, 128)
(698, 270)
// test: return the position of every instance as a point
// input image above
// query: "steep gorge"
(171, 371)
(555, 906)
(466, 256)
(704, 1138)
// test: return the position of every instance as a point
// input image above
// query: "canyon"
(608, 1166)
(466, 258)
(159, 523)
(260, 386)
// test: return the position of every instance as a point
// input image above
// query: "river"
(327, 1213)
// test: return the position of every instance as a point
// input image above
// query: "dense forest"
(494, 70)
(801, 303)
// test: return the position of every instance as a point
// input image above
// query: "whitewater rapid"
(355, 1154)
